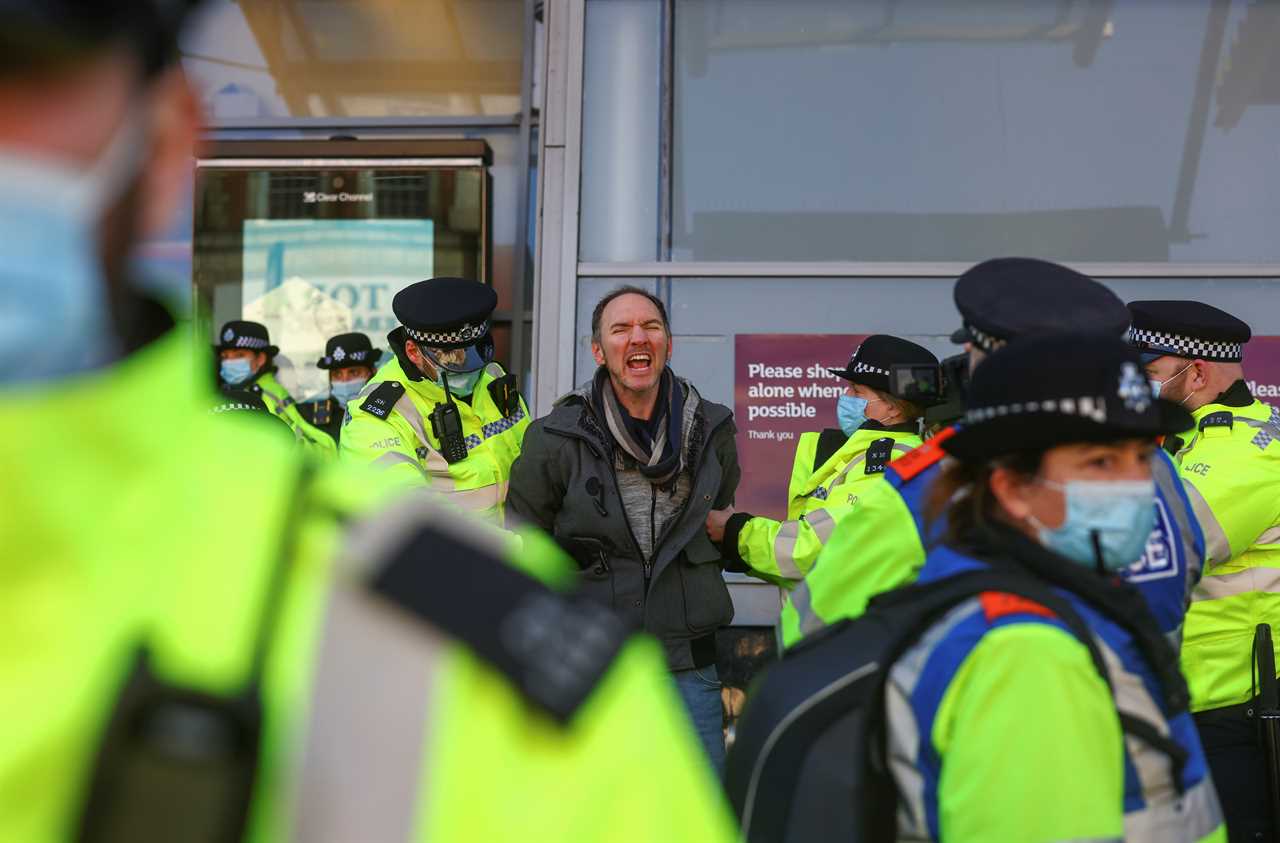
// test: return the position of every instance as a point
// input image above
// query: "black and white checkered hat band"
(349, 358)
(1089, 407)
(461, 334)
(1183, 346)
(860, 368)
(249, 342)
(982, 339)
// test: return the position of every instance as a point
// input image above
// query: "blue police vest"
(1166, 573)
(1156, 808)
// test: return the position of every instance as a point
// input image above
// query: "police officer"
(189, 632)
(877, 425)
(350, 360)
(241, 404)
(246, 361)
(1230, 462)
(999, 300)
(443, 414)
(1050, 480)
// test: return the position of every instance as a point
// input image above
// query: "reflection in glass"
(360, 58)
(929, 130)
(313, 253)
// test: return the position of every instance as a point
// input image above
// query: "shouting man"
(623, 473)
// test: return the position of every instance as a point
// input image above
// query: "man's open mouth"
(639, 361)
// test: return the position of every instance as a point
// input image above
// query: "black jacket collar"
(905, 427)
(1236, 395)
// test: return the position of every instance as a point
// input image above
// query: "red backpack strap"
(915, 461)
(1000, 604)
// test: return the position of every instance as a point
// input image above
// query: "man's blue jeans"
(700, 690)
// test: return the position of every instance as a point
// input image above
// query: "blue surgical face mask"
(236, 371)
(463, 383)
(1122, 513)
(1157, 386)
(344, 391)
(54, 315)
(851, 412)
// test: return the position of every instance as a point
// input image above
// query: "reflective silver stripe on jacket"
(784, 543)
(434, 462)
(277, 409)
(391, 458)
(362, 762)
(361, 765)
(433, 465)
(1164, 472)
(904, 737)
(1191, 818)
(1217, 547)
(1258, 579)
(802, 601)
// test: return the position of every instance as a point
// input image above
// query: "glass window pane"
(923, 130)
(620, 108)
(313, 253)
(361, 58)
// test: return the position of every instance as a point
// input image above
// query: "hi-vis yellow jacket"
(784, 551)
(1230, 463)
(281, 405)
(405, 445)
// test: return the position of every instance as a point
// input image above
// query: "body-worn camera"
(939, 389)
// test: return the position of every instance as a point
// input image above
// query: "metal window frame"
(871, 269)
(520, 264)
(559, 159)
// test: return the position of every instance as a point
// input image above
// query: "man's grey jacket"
(651, 562)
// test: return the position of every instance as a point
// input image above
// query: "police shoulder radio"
(446, 426)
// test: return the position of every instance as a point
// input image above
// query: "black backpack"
(808, 759)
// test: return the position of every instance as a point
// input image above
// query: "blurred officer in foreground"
(443, 414)
(831, 467)
(350, 360)
(246, 362)
(222, 635)
(884, 545)
(1230, 461)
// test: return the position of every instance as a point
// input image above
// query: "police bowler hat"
(874, 359)
(353, 349)
(241, 334)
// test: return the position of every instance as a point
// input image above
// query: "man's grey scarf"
(662, 462)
